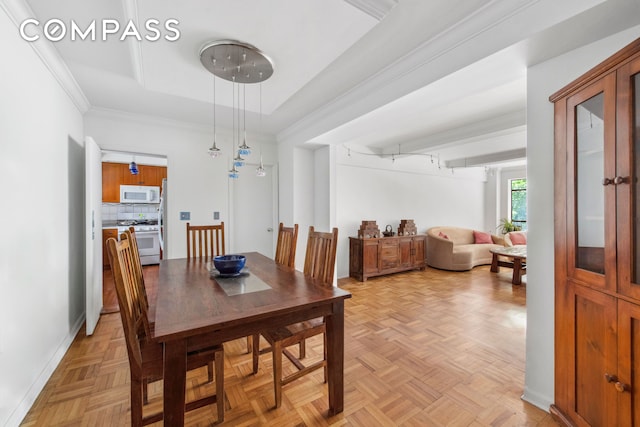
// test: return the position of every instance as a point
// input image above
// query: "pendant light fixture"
(241, 64)
(238, 161)
(260, 171)
(214, 151)
(133, 167)
(244, 149)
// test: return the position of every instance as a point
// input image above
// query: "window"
(518, 199)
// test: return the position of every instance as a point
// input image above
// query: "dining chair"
(146, 356)
(286, 246)
(285, 255)
(205, 241)
(130, 235)
(319, 265)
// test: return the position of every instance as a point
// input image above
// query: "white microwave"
(139, 194)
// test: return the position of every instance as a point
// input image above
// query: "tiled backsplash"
(118, 211)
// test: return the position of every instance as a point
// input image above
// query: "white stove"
(147, 236)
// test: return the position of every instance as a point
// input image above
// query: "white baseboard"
(536, 399)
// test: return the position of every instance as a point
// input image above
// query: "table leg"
(517, 271)
(494, 263)
(175, 372)
(335, 358)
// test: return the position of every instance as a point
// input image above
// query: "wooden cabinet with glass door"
(597, 268)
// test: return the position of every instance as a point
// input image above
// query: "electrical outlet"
(216, 215)
(185, 216)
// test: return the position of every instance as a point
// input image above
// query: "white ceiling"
(445, 76)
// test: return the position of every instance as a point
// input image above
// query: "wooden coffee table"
(517, 256)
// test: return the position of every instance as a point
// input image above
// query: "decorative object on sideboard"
(407, 228)
(369, 230)
(241, 64)
(388, 231)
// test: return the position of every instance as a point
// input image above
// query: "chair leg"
(255, 351)
(249, 344)
(137, 389)
(276, 349)
(324, 338)
(302, 349)
(219, 362)
(145, 391)
(210, 371)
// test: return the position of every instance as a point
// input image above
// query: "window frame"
(521, 223)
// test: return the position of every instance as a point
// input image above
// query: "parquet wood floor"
(429, 348)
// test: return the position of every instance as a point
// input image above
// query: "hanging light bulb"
(238, 161)
(133, 167)
(214, 151)
(260, 171)
(233, 173)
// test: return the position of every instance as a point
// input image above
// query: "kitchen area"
(133, 193)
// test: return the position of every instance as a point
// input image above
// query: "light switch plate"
(216, 215)
(185, 216)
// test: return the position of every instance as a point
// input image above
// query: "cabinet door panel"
(593, 355)
(590, 159)
(629, 363)
(405, 251)
(389, 255)
(419, 249)
(111, 178)
(628, 170)
(370, 257)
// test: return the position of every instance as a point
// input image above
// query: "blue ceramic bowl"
(229, 264)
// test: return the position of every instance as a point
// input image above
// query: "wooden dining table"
(194, 307)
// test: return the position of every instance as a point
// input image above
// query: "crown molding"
(157, 121)
(147, 119)
(18, 11)
(377, 9)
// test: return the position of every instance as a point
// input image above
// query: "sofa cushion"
(481, 237)
(518, 238)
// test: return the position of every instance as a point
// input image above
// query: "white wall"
(370, 188)
(543, 80)
(196, 183)
(42, 250)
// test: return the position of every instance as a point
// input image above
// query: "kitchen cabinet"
(597, 268)
(106, 233)
(385, 255)
(111, 179)
(116, 174)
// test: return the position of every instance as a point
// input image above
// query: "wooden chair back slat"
(205, 241)
(286, 246)
(320, 258)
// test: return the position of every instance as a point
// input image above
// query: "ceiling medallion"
(236, 61)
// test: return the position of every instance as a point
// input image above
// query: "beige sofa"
(458, 252)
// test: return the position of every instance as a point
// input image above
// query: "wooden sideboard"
(386, 255)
